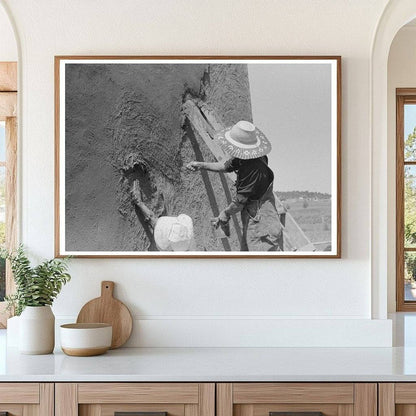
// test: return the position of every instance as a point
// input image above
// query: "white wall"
(8, 47)
(401, 74)
(181, 301)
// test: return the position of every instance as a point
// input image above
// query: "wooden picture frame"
(116, 118)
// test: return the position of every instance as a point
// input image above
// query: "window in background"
(8, 175)
(406, 199)
(2, 206)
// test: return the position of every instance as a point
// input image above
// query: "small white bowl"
(84, 340)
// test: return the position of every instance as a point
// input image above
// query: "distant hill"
(301, 194)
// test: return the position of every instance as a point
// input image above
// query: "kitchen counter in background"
(213, 364)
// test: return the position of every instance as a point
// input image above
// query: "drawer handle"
(296, 414)
(138, 414)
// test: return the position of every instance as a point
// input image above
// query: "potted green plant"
(36, 289)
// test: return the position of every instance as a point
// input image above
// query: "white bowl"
(83, 340)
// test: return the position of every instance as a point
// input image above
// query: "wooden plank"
(339, 157)
(405, 410)
(138, 393)
(405, 393)
(66, 399)
(237, 409)
(191, 410)
(365, 403)
(386, 399)
(24, 393)
(246, 410)
(8, 76)
(210, 114)
(207, 399)
(11, 206)
(399, 204)
(204, 124)
(57, 160)
(31, 410)
(344, 410)
(47, 399)
(11, 195)
(406, 91)
(202, 127)
(90, 410)
(199, 57)
(224, 399)
(293, 393)
(8, 105)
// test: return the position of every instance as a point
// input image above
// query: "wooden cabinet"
(27, 399)
(208, 399)
(297, 399)
(397, 399)
(108, 399)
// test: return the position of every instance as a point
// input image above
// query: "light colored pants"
(261, 224)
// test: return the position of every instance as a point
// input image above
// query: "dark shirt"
(253, 177)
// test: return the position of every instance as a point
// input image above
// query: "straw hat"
(174, 233)
(243, 141)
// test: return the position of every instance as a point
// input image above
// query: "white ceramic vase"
(37, 330)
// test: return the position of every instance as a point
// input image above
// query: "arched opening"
(396, 15)
(9, 57)
(401, 123)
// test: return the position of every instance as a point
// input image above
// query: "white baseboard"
(253, 332)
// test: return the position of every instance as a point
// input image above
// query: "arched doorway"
(396, 14)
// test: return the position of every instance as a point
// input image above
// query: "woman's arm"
(212, 166)
(148, 215)
(236, 205)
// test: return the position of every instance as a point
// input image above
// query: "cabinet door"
(297, 399)
(397, 399)
(26, 399)
(143, 399)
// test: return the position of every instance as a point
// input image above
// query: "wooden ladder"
(204, 122)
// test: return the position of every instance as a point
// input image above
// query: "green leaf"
(35, 286)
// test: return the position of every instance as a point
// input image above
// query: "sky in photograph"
(291, 104)
(409, 119)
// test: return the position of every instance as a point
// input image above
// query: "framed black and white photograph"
(197, 156)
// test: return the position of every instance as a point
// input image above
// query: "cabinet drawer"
(152, 399)
(397, 399)
(297, 399)
(19, 393)
(22, 399)
(138, 393)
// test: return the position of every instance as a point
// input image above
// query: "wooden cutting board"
(107, 309)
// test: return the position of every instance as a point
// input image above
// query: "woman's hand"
(222, 218)
(193, 166)
(222, 221)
